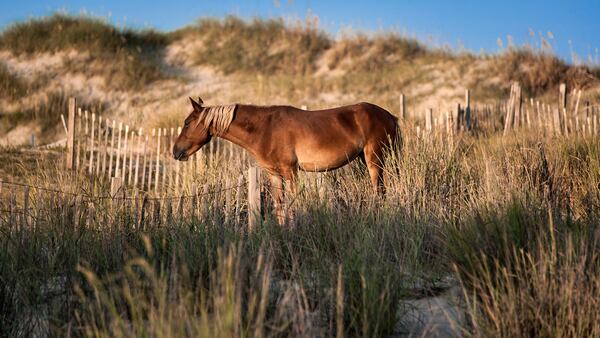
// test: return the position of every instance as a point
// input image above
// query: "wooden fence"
(23, 205)
(568, 117)
(140, 159)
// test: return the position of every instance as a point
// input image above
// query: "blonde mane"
(217, 118)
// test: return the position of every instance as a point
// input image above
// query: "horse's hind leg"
(374, 159)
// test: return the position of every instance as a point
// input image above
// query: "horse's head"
(194, 133)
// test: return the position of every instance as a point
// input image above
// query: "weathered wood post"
(556, 120)
(78, 131)
(468, 109)
(254, 205)
(228, 194)
(562, 99)
(117, 165)
(194, 206)
(137, 158)
(402, 107)
(116, 187)
(13, 210)
(71, 133)
(157, 170)
(123, 169)
(25, 221)
(459, 118)
(428, 119)
(238, 199)
(91, 146)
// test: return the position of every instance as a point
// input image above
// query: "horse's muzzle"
(180, 155)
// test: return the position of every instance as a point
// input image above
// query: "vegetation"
(513, 220)
(10, 86)
(488, 208)
(540, 71)
(125, 51)
(259, 46)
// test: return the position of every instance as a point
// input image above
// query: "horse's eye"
(186, 123)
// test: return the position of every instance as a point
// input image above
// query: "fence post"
(116, 186)
(562, 99)
(25, 222)
(79, 129)
(132, 147)
(168, 212)
(194, 202)
(141, 223)
(428, 119)
(125, 150)
(76, 210)
(177, 168)
(254, 205)
(71, 133)
(459, 118)
(157, 173)
(238, 199)
(468, 109)
(402, 107)
(227, 208)
(556, 120)
(117, 165)
(91, 147)
(13, 210)
(156, 220)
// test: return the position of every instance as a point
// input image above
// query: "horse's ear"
(197, 106)
(200, 100)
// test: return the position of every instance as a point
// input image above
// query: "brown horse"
(284, 139)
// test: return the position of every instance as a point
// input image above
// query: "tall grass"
(529, 273)
(348, 264)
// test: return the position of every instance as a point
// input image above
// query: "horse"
(285, 139)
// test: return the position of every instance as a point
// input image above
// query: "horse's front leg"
(290, 175)
(277, 194)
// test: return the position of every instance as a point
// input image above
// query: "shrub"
(266, 46)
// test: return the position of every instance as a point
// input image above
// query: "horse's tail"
(395, 148)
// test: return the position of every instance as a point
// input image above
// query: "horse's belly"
(325, 159)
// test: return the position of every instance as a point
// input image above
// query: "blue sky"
(474, 25)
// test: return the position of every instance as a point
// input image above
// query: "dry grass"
(126, 51)
(514, 218)
(540, 71)
(11, 87)
(480, 206)
(373, 53)
(259, 46)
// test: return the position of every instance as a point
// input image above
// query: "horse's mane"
(217, 118)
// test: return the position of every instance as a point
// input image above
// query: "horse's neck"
(244, 130)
